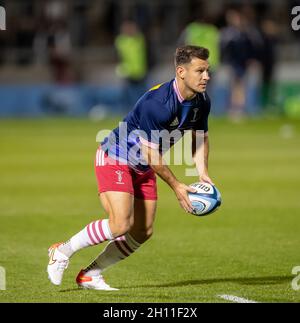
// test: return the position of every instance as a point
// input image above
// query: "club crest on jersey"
(120, 176)
(195, 115)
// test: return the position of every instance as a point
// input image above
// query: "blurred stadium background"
(67, 57)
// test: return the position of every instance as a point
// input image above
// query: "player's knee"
(118, 228)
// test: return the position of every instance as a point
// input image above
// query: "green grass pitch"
(248, 248)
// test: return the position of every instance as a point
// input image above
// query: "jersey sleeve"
(153, 118)
(202, 123)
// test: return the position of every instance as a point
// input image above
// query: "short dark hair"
(185, 54)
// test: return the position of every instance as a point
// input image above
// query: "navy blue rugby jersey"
(158, 113)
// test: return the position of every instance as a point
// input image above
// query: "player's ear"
(181, 71)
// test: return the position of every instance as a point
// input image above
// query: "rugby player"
(126, 165)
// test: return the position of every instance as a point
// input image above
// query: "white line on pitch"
(236, 299)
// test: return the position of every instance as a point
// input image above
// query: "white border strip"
(236, 299)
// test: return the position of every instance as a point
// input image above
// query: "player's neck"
(186, 93)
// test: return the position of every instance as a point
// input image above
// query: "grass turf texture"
(248, 248)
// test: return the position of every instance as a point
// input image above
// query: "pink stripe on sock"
(95, 232)
(90, 235)
(126, 246)
(101, 231)
(121, 249)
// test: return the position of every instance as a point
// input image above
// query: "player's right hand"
(181, 190)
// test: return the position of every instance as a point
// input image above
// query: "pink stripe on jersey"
(90, 235)
(179, 96)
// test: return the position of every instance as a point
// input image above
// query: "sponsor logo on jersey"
(175, 122)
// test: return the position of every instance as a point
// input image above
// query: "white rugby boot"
(58, 263)
(92, 282)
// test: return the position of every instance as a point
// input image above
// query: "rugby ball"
(206, 200)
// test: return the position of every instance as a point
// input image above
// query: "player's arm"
(157, 163)
(200, 153)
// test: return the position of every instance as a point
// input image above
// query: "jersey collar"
(180, 97)
(176, 89)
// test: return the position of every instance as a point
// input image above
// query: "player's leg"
(115, 204)
(119, 205)
(120, 210)
(145, 203)
(124, 246)
(144, 214)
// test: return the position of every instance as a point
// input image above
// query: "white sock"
(94, 233)
(117, 250)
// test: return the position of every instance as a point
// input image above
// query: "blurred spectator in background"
(269, 33)
(60, 53)
(253, 33)
(203, 33)
(62, 100)
(25, 34)
(53, 43)
(55, 10)
(59, 41)
(133, 66)
(255, 60)
(3, 44)
(239, 55)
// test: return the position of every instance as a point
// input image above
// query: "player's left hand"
(206, 179)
